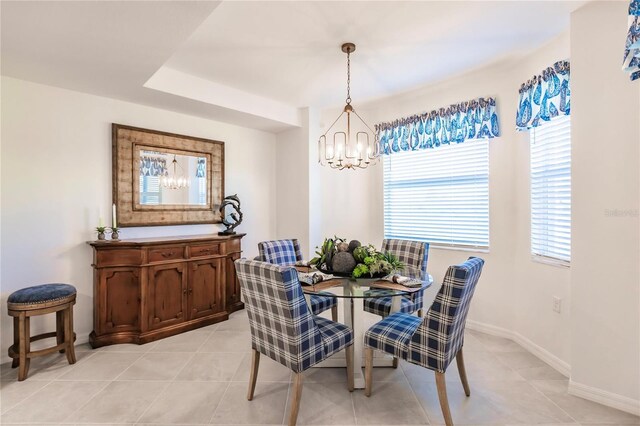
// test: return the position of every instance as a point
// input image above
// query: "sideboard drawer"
(118, 257)
(166, 253)
(205, 250)
(233, 246)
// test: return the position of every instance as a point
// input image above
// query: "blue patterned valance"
(631, 62)
(474, 119)
(544, 97)
(201, 170)
(152, 166)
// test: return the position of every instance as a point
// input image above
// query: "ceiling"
(256, 63)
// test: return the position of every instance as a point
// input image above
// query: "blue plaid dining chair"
(287, 253)
(433, 341)
(283, 328)
(414, 255)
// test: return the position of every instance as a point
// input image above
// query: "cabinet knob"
(168, 254)
(184, 291)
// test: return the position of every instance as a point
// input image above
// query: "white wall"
(596, 337)
(605, 270)
(56, 181)
(535, 283)
(292, 153)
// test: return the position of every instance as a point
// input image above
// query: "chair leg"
(253, 377)
(16, 341)
(25, 345)
(442, 396)
(60, 329)
(368, 371)
(334, 313)
(295, 399)
(68, 334)
(463, 372)
(420, 313)
(349, 352)
(395, 362)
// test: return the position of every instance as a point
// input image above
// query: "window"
(202, 191)
(150, 190)
(439, 195)
(551, 191)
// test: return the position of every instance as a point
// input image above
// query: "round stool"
(39, 300)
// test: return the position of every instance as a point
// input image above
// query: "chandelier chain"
(348, 77)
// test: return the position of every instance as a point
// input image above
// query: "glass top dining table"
(350, 293)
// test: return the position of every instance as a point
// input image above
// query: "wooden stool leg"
(68, 334)
(16, 341)
(25, 345)
(60, 329)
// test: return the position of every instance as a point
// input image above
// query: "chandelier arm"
(334, 123)
(365, 123)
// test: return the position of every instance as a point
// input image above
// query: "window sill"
(551, 261)
(460, 248)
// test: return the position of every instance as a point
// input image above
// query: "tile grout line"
(48, 383)
(107, 383)
(152, 402)
(286, 402)
(413, 392)
(165, 388)
(552, 401)
(219, 402)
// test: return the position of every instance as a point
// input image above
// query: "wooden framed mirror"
(163, 178)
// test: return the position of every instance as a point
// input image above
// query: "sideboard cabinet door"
(167, 295)
(119, 300)
(205, 288)
(233, 302)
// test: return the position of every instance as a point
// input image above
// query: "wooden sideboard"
(147, 289)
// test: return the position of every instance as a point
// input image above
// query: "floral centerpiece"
(337, 256)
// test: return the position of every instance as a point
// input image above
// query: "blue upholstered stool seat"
(42, 293)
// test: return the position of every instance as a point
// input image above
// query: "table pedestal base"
(358, 372)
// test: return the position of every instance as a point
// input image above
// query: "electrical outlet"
(557, 304)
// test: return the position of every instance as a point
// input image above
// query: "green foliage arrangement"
(369, 261)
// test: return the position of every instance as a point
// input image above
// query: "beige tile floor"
(201, 377)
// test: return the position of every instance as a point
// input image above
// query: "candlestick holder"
(114, 234)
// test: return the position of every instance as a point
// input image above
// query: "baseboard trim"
(600, 396)
(609, 399)
(553, 361)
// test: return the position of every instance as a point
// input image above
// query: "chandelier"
(344, 150)
(175, 180)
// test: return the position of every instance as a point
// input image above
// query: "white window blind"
(149, 190)
(439, 195)
(202, 191)
(551, 190)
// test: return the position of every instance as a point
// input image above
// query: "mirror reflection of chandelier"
(173, 180)
(343, 150)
